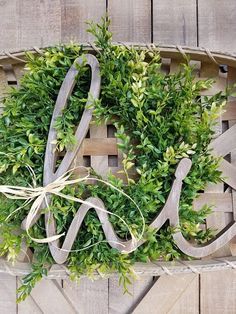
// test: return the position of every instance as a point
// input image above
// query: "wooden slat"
(218, 292)
(216, 220)
(230, 111)
(3, 87)
(38, 23)
(99, 163)
(231, 80)
(232, 244)
(75, 14)
(10, 74)
(8, 25)
(175, 65)
(100, 146)
(29, 305)
(47, 29)
(174, 22)
(189, 300)
(50, 298)
(171, 294)
(211, 70)
(18, 70)
(124, 303)
(7, 294)
(130, 20)
(88, 296)
(221, 202)
(217, 24)
(216, 87)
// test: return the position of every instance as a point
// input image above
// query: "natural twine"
(38, 195)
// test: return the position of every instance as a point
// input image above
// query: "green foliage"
(160, 118)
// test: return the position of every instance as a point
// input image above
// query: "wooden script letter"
(169, 211)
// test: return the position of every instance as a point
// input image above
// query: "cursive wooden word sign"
(221, 146)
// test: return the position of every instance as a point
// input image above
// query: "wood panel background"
(211, 24)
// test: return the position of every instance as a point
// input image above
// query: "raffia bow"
(38, 195)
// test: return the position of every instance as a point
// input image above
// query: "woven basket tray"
(99, 150)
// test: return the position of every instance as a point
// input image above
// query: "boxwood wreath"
(163, 114)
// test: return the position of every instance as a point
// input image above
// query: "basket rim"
(166, 51)
(157, 268)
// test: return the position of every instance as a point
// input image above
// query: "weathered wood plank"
(75, 14)
(99, 163)
(230, 111)
(217, 24)
(7, 294)
(130, 20)
(171, 294)
(38, 23)
(29, 305)
(19, 71)
(124, 303)
(49, 297)
(232, 243)
(218, 292)
(100, 146)
(10, 75)
(8, 25)
(231, 80)
(88, 296)
(175, 22)
(27, 23)
(189, 300)
(216, 220)
(221, 202)
(3, 87)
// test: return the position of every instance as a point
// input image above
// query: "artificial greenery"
(160, 118)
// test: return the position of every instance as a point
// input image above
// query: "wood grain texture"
(29, 305)
(171, 294)
(100, 146)
(7, 294)
(88, 297)
(124, 303)
(39, 23)
(175, 22)
(8, 24)
(99, 163)
(75, 14)
(216, 220)
(232, 243)
(230, 111)
(19, 71)
(10, 74)
(231, 105)
(218, 292)
(49, 297)
(3, 84)
(28, 23)
(188, 302)
(130, 20)
(220, 202)
(217, 24)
